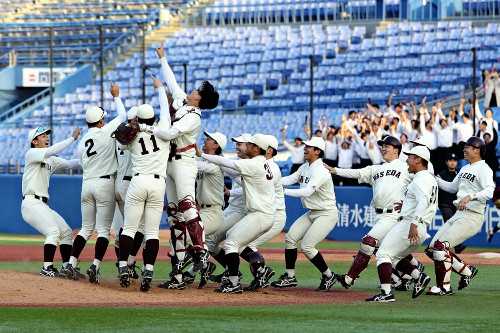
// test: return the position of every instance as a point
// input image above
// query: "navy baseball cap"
(451, 156)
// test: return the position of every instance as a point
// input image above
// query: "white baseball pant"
(383, 224)
(231, 217)
(248, 229)
(278, 225)
(460, 227)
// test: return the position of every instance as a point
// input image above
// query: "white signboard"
(40, 76)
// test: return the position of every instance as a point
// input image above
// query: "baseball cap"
(420, 141)
(242, 138)
(272, 141)
(451, 156)
(218, 137)
(390, 140)
(132, 113)
(420, 151)
(37, 131)
(259, 140)
(94, 114)
(316, 142)
(145, 111)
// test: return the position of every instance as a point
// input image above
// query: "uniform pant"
(278, 225)
(98, 207)
(145, 198)
(212, 218)
(396, 244)
(121, 188)
(231, 217)
(50, 224)
(312, 228)
(248, 229)
(462, 226)
(383, 224)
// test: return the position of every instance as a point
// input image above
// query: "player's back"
(278, 188)
(96, 151)
(149, 154)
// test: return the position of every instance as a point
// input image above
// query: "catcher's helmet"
(476, 142)
(390, 140)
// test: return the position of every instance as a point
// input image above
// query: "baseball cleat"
(382, 297)
(420, 285)
(403, 285)
(173, 284)
(49, 271)
(146, 280)
(224, 277)
(420, 267)
(200, 260)
(70, 272)
(266, 276)
(228, 288)
(342, 281)
(436, 291)
(326, 282)
(460, 248)
(253, 286)
(181, 265)
(187, 277)
(465, 280)
(205, 274)
(93, 273)
(79, 274)
(285, 281)
(132, 272)
(124, 277)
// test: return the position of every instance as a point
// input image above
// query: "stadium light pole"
(474, 65)
(51, 83)
(101, 65)
(311, 94)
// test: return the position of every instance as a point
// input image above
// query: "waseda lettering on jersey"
(302, 180)
(467, 176)
(46, 166)
(394, 173)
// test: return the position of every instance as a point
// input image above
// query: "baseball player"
(262, 273)
(234, 212)
(41, 162)
(123, 178)
(146, 192)
(260, 202)
(389, 182)
(183, 168)
(317, 195)
(474, 186)
(210, 196)
(419, 207)
(96, 152)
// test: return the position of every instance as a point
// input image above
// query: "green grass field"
(472, 309)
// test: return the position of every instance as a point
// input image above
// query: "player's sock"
(47, 264)
(234, 280)
(290, 272)
(73, 261)
(65, 250)
(149, 267)
(49, 251)
(386, 287)
(348, 279)
(415, 274)
(139, 237)
(319, 262)
(178, 277)
(384, 273)
(122, 263)
(245, 253)
(97, 263)
(191, 271)
(328, 272)
(290, 258)
(221, 258)
(131, 260)
(412, 259)
(117, 251)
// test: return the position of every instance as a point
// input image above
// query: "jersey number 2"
(143, 145)
(90, 144)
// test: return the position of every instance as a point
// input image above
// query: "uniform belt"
(106, 177)
(44, 199)
(181, 150)
(383, 210)
(156, 176)
(129, 178)
(175, 157)
(400, 218)
(206, 206)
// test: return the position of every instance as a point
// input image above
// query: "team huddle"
(163, 158)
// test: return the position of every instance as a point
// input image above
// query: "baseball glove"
(125, 133)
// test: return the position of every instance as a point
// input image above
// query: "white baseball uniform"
(40, 163)
(420, 201)
(319, 221)
(210, 195)
(97, 156)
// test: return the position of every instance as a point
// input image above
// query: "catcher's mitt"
(125, 133)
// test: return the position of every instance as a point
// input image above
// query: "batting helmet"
(390, 140)
(476, 142)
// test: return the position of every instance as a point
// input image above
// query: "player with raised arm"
(183, 169)
(317, 195)
(389, 182)
(419, 207)
(41, 161)
(474, 186)
(146, 192)
(97, 156)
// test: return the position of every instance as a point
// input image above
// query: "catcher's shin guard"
(359, 264)
(257, 263)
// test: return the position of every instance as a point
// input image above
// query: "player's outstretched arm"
(305, 192)
(168, 75)
(162, 96)
(60, 146)
(347, 173)
(220, 160)
(446, 186)
(71, 164)
(120, 108)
